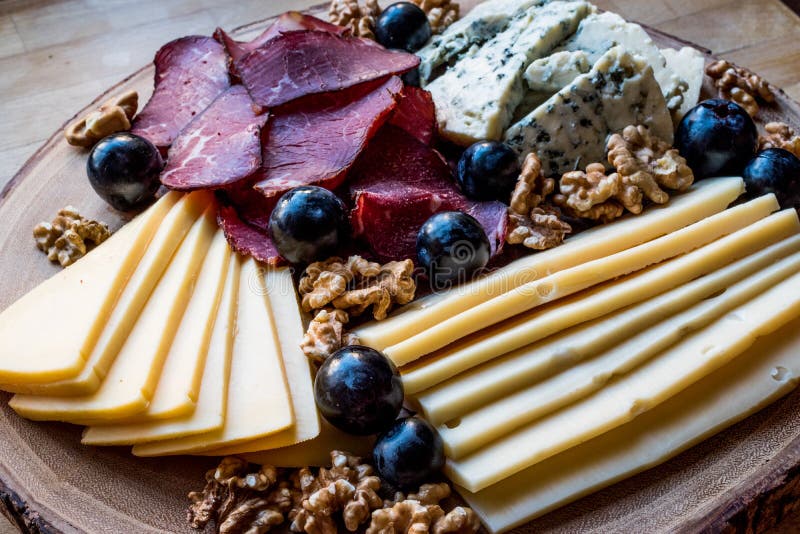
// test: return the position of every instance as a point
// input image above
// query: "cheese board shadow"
(746, 476)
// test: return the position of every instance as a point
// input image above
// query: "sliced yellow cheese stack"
(258, 395)
(759, 376)
(500, 377)
(209, 414)
(131, 381)
(89, 289)
(704, 199)
(633, 394)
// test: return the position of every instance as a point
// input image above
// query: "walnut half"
(65, 239)
(113, 116)
(360, 21)
(780, 135)
(740, 85)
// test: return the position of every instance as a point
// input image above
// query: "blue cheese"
(476, 98)
(482, 23)
(600, 32)
(689, 65)
(569, 131)
(557, 70)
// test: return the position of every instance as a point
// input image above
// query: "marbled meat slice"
(190, 73)
(289, 21)
(416, 114)
(397, 184)
(317, 139)
(219, 147)
(300, 63)
(247, 239)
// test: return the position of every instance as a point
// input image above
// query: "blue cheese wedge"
(569, 131)
(689, 64)
(557, 70)
(476, 98)
(599, 32)
(482, 23)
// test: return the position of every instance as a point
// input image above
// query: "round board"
(747, 476)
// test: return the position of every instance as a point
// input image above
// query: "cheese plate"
(51, 483)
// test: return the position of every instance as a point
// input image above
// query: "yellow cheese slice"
(282, 299)
(512, 372)
(601, 300)
(704, 199)
(569, 281)
(762, 374)
(131, 381)
(154, 260)
(492, 422)
(209, 414)
(314, 452)
(72, 306)
(633, 394)
(258, 394)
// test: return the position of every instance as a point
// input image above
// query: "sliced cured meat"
(397, 184)
(219, 147)
(289, 21)
(247, 239)
(190, 73)
(316, 140)
(299, 63)
(253, 207)
(416, 114)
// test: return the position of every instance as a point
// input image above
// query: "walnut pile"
(740, 85)
(238, 498)
(780, 135)
(441, 13)
(113, 116)
(326, 334)
(360, 21)
(532, 222)
(65, 239)
(645, 166)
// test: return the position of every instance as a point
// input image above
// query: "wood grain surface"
(57, 56)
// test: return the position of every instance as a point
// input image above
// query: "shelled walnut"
(441, 13)
(740, 85)
(65, 238)
(532, 222)
(780, 135)
(326, 334)
(594, 195)
(113, 116)
(360, 20)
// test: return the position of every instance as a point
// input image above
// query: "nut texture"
(740, 85)
(326, 334)
(441, 13)
(65, 239)
(360, 21)
(113, 116)
(780, 135)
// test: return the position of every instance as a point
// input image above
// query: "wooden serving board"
(747, 477)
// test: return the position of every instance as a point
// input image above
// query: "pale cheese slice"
(492, 422)
(689, 64)
(510, 373)
(258, 396)
(131, 381)
(314, 452)
(209, 414)
(629, 396)
(118, 323)
(704, 199)
(282, 298)
(89, 289)
(570, 281)
(759, 376)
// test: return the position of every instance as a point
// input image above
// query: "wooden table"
(55, 56)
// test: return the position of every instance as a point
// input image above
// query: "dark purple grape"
(777, 171)
(409, 454)
(452, 246)
(359, 390)
(488, 170)
(403, 26)
(717, 137)
(124, 170)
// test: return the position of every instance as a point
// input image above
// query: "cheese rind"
(624, 399)
(258, 402)
(282, 297)
(759, 376)
(495, 420)
(705, 199)
(131, 381)
(209, 414)
(569, 130)
(89, 289)
(516, 370)
(570, 281)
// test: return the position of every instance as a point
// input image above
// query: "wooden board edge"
(21, 515)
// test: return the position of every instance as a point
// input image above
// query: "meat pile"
(304, 103)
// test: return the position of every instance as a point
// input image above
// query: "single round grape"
(777, 171)
(403, 26)
(409, 454)
(452, 247)
(488, 170)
